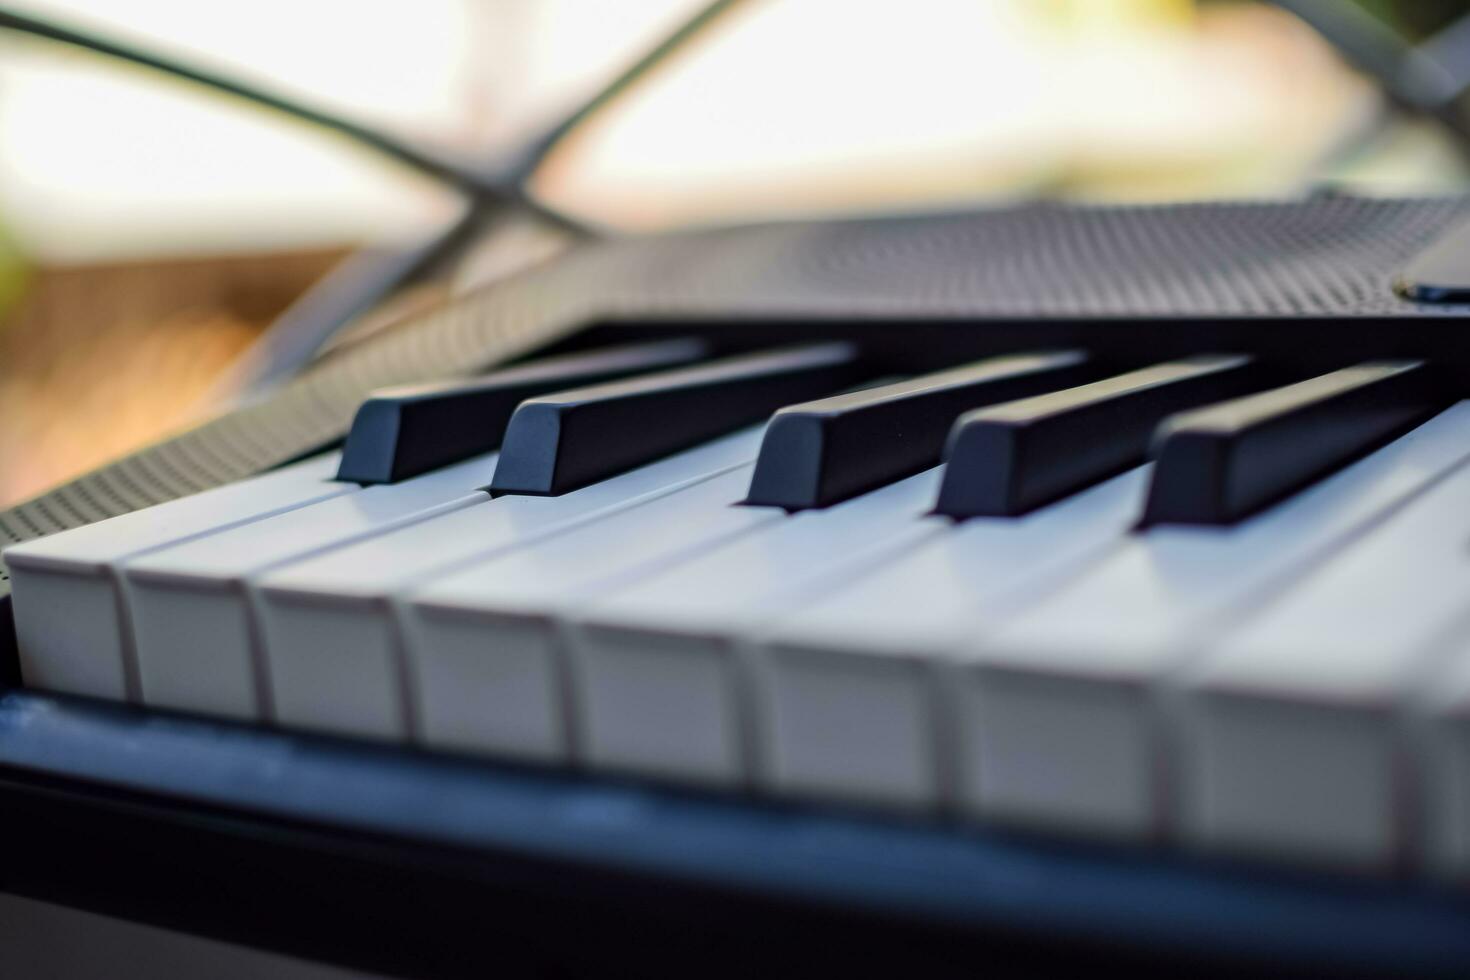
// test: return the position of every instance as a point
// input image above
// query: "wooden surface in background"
(98, 360)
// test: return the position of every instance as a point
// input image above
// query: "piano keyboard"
(1201, 603)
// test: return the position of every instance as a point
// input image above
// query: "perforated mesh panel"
(1330, 255)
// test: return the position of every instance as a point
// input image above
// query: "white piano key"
(337, 614)
(190, 604)
(70, 621)
(656, 680)
(1059, 712)
(1295, 730)
(484, 642)
(847, 686)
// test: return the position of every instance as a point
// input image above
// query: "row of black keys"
(1018, 431)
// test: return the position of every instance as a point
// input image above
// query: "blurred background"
(153, 230)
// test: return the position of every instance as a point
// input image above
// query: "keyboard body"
(397, 859)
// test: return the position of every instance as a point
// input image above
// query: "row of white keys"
(484, 644)
(71, 622)
(848, 688)
(191, 603)
(331, 625)
(1297, 731)
(1061, 711)
(657, 682)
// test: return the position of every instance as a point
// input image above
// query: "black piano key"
(821, 452)
(559, 442)
(402, 432)
(1219, 464)
(1008, 459)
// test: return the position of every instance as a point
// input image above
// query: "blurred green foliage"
(14, 273)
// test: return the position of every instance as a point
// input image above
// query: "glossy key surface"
(823, 451)
(402, 432)
(560, 442)
(1215, 465)
(1008, 459)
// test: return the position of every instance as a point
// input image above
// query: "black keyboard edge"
(459, 866)
(9, 655)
